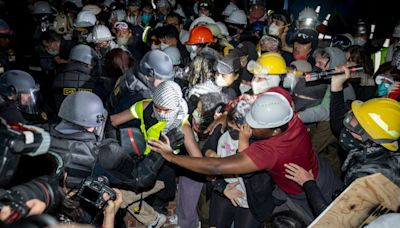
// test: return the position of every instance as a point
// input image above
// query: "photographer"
(38, 194)
(76, 137)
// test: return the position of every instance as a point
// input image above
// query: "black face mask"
(233, 133)
(316, 69)
(348, 142)
(232, 31)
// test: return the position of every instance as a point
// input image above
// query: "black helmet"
(22, 85)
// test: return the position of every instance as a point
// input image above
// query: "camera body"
(91, 191)
(15, 201)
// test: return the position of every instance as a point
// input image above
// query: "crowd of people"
(246, 115)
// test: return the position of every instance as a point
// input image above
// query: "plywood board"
(354, 205)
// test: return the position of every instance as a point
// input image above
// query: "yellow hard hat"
(380, 118)
(268, 64)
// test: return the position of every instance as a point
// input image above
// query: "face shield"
(28, 100)
(99, 131)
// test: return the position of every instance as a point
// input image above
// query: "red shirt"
(293, 145)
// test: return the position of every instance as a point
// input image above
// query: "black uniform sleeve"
(314, 196)
(337, 112)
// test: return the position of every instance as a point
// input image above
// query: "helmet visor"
(28, 100)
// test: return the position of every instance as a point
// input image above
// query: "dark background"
(345, 13)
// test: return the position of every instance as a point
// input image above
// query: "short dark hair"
(173, 14)
(169, 31)
(50, 36)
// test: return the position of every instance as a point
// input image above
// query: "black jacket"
(9, 111)
(78, 151)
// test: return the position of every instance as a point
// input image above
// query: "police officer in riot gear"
(18, 96)
(76, 136)
(139, 82)
(76, 76)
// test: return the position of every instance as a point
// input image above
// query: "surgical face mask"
(192, 48)
(53, 52)
(197, 117)
(122, 40)
(359, 41)
(244, 88)
(163, 46)
(383, 89)
(220, 81)
(154, 47)
(262, 86)
(273, 30)
(193, 55)
(290, 81)
(146, 18)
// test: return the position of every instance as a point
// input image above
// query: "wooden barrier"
(365, 199)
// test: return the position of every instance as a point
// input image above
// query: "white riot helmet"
(222, 28)
(271, 110)
(84, 54)
(308, 18)
(85, 19)
(173, 54)
(42, 7)
(237, 17)
(95, 10)
(202, 20)
(229, 9)
(101, 33)
(118, 15)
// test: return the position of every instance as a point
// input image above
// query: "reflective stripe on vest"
(379, 58)
(154, 132)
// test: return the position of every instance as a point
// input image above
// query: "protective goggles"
(340, 40)
(222, 67)
(121, 25)
(351, 123)
(256, 68)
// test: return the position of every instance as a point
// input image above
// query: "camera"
(43, 188)
(91, 191)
